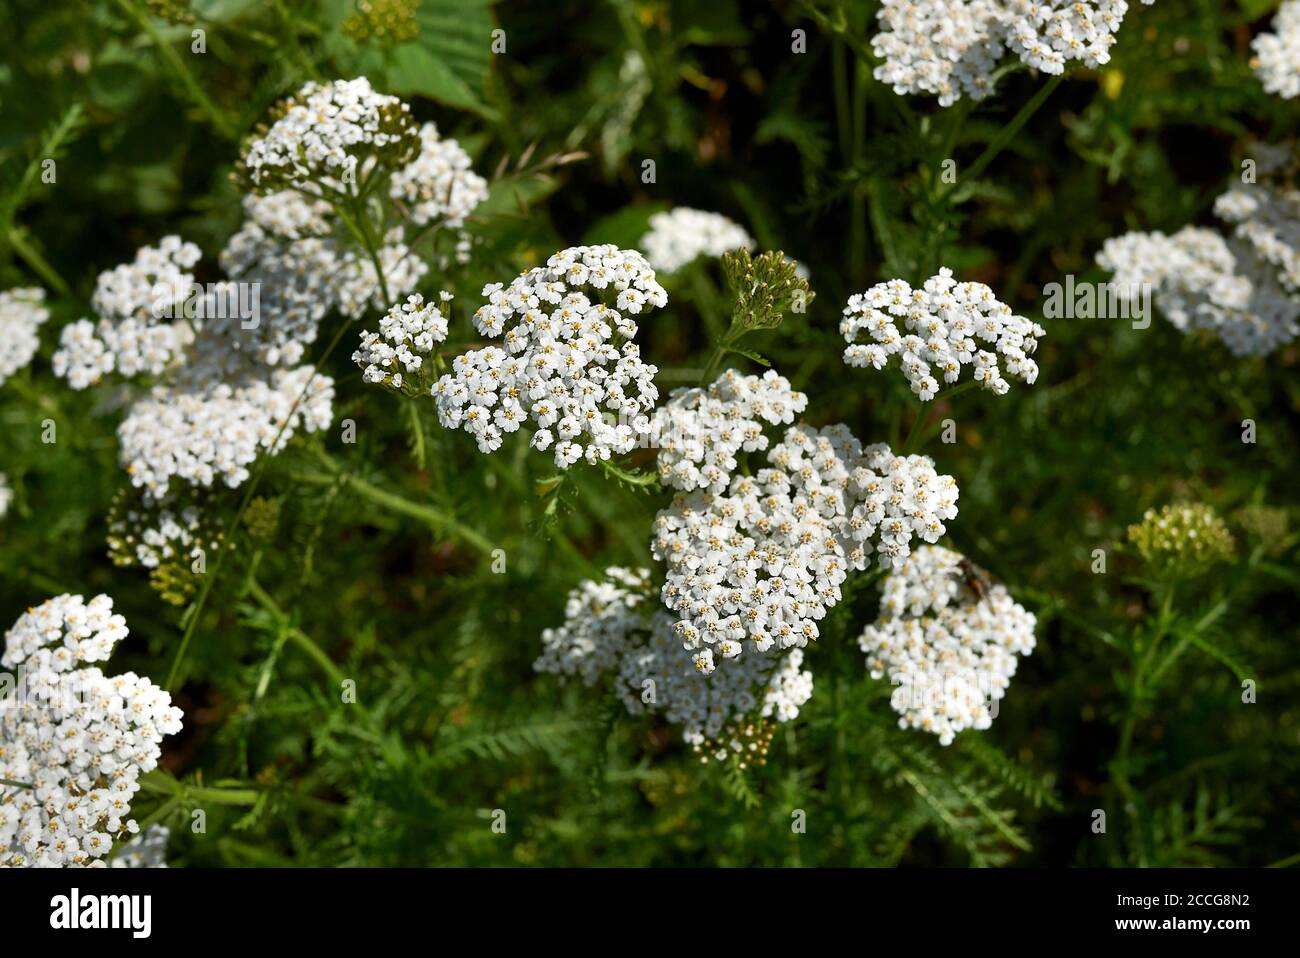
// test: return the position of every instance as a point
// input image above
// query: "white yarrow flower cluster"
(1203, 282)
(156, 278)
(599, 620)
(1245, 288)
(287, 249)
(88, 351)
(1266, 217)
(407, 335)
(700, 431)
(682, 234)
(288, 215)
(612, 628)
(227, 391)
(439, 184)
(79, 739)
(764, 563)
(328, 132)
(22, 311)
(215, 432)
(357, 285)
(284, 247)
(939, 329)
(139, 307)
(951, 48)
(1277, 54)
(226, 377)
(566, 362)
(659, 675)
(945, 48)
(1048, 34)
(950, 652)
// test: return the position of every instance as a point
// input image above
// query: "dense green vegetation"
(375, 562)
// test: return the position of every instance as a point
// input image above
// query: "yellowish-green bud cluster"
(387, 21)
(1184, 537)
(766, 287)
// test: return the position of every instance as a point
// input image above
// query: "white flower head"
(75, 740)
(1277, 54)
(600, 619)
(950, 48)
(937, 330)
(1204, 282)
(439, 184)
(699, 432)
(149, 532)
(722, 711)
(758, 568)
(140, 328)
(945, 49)
(613, 628)
(1265, 217)
(951, 653)
(146, 850)
(285, 248)
(406, 338)
(358, 287)
(213, 432)
(682, 234)
(22, 312)
(567, 362)
(331, 132)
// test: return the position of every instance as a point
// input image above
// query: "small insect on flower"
(975, 578)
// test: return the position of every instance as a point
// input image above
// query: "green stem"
(417, 432)
(714, 359)
(18, 240)
(912, 444)
(880, 225)
(1008, 132)
(917, 423)
(295, 635)
(358, 229)
(558, 536)
(163, 810)
(1205, 621)
(441, 521)
(1119, 766)
(161, 783)
(195, 611)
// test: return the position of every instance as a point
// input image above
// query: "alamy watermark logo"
(77, 911)
(1074, 300)
(64, 692)
(241, 301)
(948, 693)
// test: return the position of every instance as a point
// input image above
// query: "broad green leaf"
(449, 61)
(624, 228)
